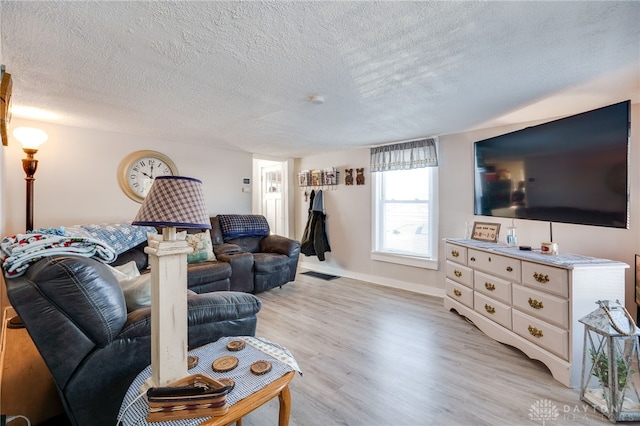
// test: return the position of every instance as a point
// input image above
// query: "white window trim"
(417, 262)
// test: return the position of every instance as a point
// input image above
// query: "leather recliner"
(258, 262)
(75, 312)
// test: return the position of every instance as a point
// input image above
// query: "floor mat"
(320, 275)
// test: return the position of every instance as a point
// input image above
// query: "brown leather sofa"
(247, 263)
(202, 277)
(259, 261)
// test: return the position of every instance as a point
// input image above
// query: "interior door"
(272, 197)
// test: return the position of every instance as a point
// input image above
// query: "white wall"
(348, 211)
(77, 183)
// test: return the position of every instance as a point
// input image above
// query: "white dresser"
(529, 300)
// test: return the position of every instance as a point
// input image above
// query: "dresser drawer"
(457, 254)
(546, 278)
(460, 293)
(494, 287)
(542, 333)
(542, 305)
(502, 266)
(460, 273)
(492, 309)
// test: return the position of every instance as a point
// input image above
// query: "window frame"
(400, 258)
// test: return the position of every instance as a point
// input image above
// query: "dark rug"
(320, 275)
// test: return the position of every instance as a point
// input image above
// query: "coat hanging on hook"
(314, 240)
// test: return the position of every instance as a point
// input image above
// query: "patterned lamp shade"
(174, 201)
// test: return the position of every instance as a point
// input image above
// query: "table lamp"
(173, 201)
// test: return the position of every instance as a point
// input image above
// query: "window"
(404, 211)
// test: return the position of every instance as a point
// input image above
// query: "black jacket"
(314, 239)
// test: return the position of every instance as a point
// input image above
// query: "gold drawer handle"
(473, 259)
(535, 304)
(457, 273)
(489, 286)
(541, 278)
(490, 309)
(455, 253)
(509, 269)
(457, 292)
(535, 332)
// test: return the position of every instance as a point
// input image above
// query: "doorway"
(271, 193)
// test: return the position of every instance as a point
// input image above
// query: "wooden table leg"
(285, 406)
(279, 387)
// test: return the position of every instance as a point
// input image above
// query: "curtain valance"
(405, 155)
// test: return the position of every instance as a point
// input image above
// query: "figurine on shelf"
(348, 179)
(360, 176)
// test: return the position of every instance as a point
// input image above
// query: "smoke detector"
(316, 99)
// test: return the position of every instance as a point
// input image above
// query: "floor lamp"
(31, 139)
(173, 201)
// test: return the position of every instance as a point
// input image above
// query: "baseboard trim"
(385, 282)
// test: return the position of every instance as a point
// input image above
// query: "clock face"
(138, 170)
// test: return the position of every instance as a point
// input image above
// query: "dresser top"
(565, 260)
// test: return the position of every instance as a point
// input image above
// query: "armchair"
(259, 260)
(74, 310)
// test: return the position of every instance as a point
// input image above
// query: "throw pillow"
(136, 287)
(202, 247)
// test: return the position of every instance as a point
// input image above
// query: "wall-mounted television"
(571, 170)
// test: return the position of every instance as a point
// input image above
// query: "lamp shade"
(174, 201)
(30, 137)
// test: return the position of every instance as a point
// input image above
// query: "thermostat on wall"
(246, 182)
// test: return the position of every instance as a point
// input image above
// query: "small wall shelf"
(318, 178)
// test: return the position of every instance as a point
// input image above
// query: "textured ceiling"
(239, 75)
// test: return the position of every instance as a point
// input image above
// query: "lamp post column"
(29, 165)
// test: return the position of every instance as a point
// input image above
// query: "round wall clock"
(138, 170)
(6, 87)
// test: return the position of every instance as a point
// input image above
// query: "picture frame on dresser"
(485, 231)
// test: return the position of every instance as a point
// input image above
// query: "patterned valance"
(405, 155)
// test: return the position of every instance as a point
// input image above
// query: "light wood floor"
(376, 356)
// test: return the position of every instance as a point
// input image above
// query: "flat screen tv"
(571, 170)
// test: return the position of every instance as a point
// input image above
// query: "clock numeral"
(142, 163)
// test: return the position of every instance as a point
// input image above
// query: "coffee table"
(237, 411)
(250, 392)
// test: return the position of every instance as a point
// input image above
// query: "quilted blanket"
(19, 251)
(102, 242)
